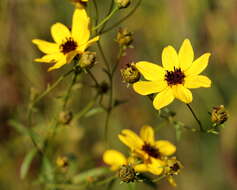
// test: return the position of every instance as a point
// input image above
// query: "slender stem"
(196, 118)
(103, 56)
(123, 19)
(96, 12)
(109, 11)
(93, 78)
(106, 19)
(69, 90)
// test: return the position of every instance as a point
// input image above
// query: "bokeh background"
(210, 161)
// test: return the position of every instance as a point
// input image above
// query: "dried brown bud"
(219, 115)
(130, 74)
(127, 173)
(124, 38)
(65, 117)
(87, 60)
(123, 3)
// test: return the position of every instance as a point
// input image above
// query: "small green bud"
(87, 59)
(65, 117)
(127, 173)
(130, 74)
(124, 38)
(219, 115)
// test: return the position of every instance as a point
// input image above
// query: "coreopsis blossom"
(180, 72)
(68, 43)
(80, 3)
(152, 152)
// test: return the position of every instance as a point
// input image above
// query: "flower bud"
(103, 88)
(123, 3)
(127, 173)
(173, 166)
(65, 117)
(62, 162)
(87, 59)
(124, 38)
(130, 74)
(219, 115)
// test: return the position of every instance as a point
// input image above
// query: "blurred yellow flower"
(80, 3)
(68, 43)
(173, 80)
(152, 152)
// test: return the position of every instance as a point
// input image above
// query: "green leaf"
(95, 172)
(26, 163)
(19, 127)
(48, 170)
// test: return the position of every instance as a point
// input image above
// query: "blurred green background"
(210, 161)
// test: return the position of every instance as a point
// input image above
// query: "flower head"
(68, 43)
(80, 3)
(179, 73)
(145, 147)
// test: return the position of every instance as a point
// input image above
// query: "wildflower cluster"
(147, 155)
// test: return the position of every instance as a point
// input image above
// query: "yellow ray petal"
(80, 26)
(170, 58)
(46, 47)
(164, 98)
(141, 168)
(114, 158)
(182, 93)
(150, 71)
(50, 58)
(84, 46)
(198, 65)
(147, 134)
(149, 87)
(60, 32)
(156, 166)
(197, 81)
(186, 55)
(165, 147)
(59, 64)
(130, 139)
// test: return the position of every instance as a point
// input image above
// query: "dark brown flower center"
(151, 150)
(68, 46)
(175, 167)
(174, 77)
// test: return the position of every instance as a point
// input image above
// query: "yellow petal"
(198, 65)
(197, 81)
(182, 93)
(59, 64)
(50, 58)
(114, 158)
(130, 139)
(165, 147)
(141, 168)
(46, 47)
(80, 26)
(60, 32)
(149, 87)
(186, 55)
(150, 71)
(84, 46)
(171, 181)
(147, 134)
(156, 166)
(164, 98)
(170, 58)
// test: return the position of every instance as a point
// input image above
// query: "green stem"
(106, 19)
(96, 12)
(123, 19)
(93, 78)
(196, 118)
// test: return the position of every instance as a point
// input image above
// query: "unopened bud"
(124, 38)
(173, 166)
(130, 74)
(87, 60)
(127, 173)
(65, 117)
(219, 115)
(123, 3)
(62, 162)
(103, 88)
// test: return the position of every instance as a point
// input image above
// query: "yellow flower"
(68, 43)
(173, 80)
(117, 160)
(145, 147)
(80, 3)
